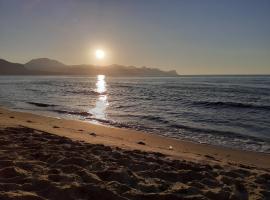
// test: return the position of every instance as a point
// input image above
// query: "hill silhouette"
(8, 68)
(46, 66)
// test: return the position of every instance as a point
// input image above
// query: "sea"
(228, 111)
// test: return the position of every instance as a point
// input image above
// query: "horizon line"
(226, 74)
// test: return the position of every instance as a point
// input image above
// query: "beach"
(134, 100)
(51, 158)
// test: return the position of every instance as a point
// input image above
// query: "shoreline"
(133, 140)
(220, 138)
(52, 114)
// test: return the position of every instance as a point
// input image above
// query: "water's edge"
(101, 123)
(226, 111)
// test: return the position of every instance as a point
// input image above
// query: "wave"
(123, 106)
(87, 92)
(44, 105)
(124, 86)
(121, 124)
(154, 118)
(227, 134)
(111, 123)
(220, 104)
(80, 113)
(33, 90)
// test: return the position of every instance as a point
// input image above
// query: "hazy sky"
(191, 36)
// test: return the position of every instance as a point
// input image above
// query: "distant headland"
(46, 66)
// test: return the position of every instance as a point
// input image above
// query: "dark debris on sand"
(38, 165)
(141, 143)
(93, 134)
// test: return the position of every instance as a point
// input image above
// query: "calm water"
(229, 111)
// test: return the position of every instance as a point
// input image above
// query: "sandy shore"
(48, 158)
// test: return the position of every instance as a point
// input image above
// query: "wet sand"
(49, 158)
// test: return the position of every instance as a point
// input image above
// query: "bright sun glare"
(100, 54)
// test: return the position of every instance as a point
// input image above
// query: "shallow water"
(232, 111)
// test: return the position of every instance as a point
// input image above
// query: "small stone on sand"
(141, 143)
(93, 134)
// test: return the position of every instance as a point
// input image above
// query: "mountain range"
(46, 66)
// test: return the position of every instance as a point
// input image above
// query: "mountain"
(46, 66)
(117, 70)
(8, 68)
(56, 67)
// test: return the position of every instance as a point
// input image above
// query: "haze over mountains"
(46, 66)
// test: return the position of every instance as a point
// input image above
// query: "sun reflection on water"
(101, 84)
(99, 111)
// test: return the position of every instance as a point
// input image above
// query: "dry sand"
(48, 158)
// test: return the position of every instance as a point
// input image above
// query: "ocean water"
(231, 111)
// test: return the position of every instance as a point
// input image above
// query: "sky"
(190, 36)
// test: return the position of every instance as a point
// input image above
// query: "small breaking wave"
(155, 118)
(220, 104)
(121, 124)
(228, 134)
(80, 113)
(44, 105)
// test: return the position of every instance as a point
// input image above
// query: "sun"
(100, 54)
